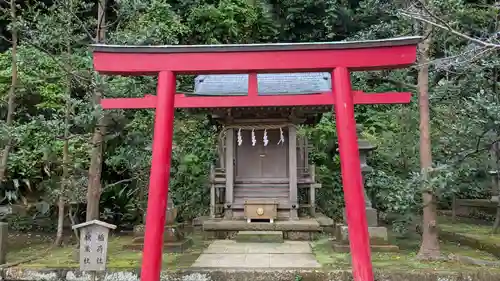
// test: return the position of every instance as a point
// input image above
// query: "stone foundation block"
(259, 236)
(174, 239)
(168, 247)
(299, 236)
(323, 220)
(378, 235)
(343, 248)
(219, 234)
(371, 217)
(199, 220)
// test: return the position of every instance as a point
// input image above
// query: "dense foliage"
(463, 88)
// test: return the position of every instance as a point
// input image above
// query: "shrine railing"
(307, 187)
(217, 191)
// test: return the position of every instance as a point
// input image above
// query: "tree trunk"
(60, 221)
(71, 217)
(95, 169)
(12, 92)
(65, 167)
(429, 248)
(65, 175)
(496, 158)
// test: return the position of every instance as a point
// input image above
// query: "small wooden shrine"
(262, 161)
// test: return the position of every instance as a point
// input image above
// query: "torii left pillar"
(357, 225)
(159, 177)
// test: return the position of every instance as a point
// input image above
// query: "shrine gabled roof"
(267, 84)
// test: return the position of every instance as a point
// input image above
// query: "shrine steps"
(261, 192)
(259, 237)
(279, 192)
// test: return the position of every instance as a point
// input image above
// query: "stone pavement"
(230, 254)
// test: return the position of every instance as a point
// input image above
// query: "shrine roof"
(267, 84)
(400, 41)
(94, 222)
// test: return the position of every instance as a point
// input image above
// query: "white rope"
(241, 127)
(259, 126)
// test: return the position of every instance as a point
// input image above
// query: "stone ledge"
(343, 248)
(241, 275)
(378, 235)
(237, 225)
(469, 241)
(323, 220)
(259, 237)
(168, 247)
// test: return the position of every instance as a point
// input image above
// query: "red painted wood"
(342, 60)
(351, 177)
(182, 101)
(262, 62)
(159, 177)
(253, 85)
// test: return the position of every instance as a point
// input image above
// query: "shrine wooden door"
(260, 162)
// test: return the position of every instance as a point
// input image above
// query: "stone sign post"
(93, 244)
(3, 242)
(5, 211)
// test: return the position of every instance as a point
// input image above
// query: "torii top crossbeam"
(337, 58)
(262, 58)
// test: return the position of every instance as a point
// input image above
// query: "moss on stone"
(481, 232)
(470, 234)
(118, 258)
(405, 259)
(246, 275)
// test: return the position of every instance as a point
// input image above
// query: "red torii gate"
(338, 58)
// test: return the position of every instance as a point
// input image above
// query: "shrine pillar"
(351, 175)
(292, 171)
(229, 159)
(159, 177)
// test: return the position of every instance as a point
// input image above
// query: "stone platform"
(302, 229)
(168, 247)
(243, 225)
(379, 241)
(230, 254)
(345, 248)
(174, 239)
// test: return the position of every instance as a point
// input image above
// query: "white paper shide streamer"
(265, 140)
(282, 137)
(240, 139)
(254, 140)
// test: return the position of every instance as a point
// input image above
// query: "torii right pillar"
(352, 181)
